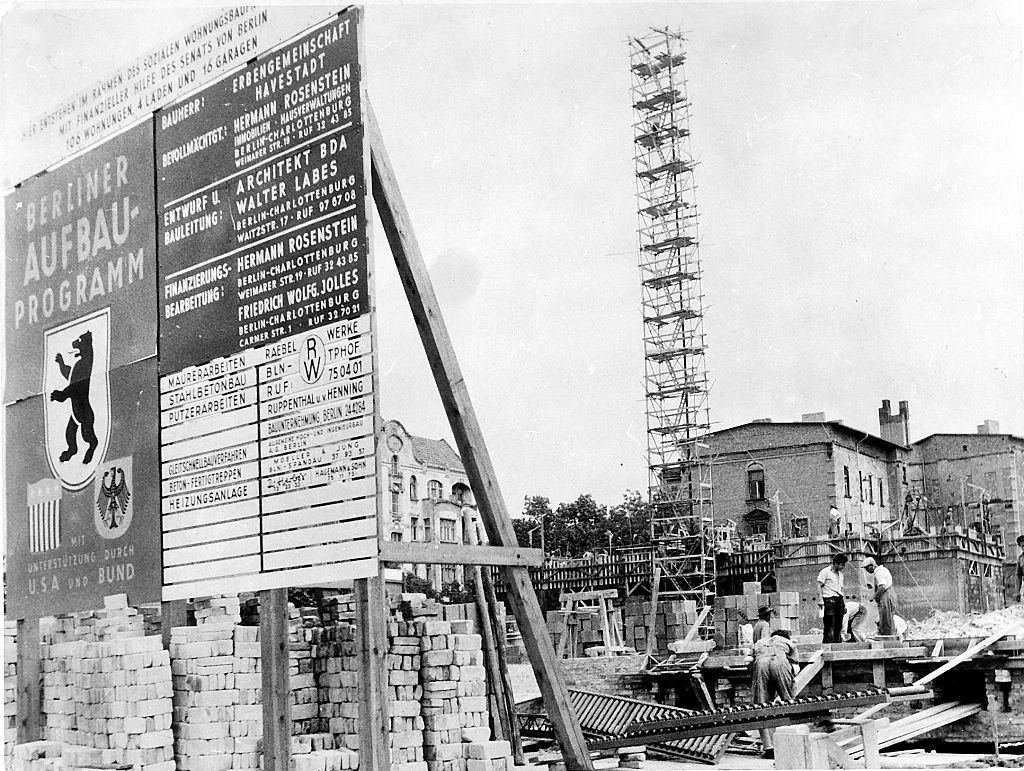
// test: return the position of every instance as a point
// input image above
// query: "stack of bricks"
(218, 720)
(318, 752)
(109, 703)
(586, 626)
(672, 620)
(405, 693)
(336, 667)
(10, 690)
(303, 633)
(733, 611)
(37, 756)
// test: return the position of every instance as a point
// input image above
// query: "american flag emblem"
(44, 515)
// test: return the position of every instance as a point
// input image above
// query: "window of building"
(800, 527)
(447, 530)
(396, 509)
(861, 485)
(414, 527)
(394, 465)
(434, 490)
(846, 481)
(904, 474)
(414, 494)
(448, 574)
(881, 493)
(459, 493)
(428, 535)
(759, 527)
(396, 535)
(871, 488)
(755, 483)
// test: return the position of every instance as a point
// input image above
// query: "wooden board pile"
(10, 689)
(218, 720)
(732, 611)
(672, 621)
(109, 703)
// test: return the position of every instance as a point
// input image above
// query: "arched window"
(755, 482)
(394, 465)
(414, 494)
(434, 489)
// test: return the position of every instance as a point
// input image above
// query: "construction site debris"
(953, 624)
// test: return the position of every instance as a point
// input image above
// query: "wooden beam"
(30, 686)
(805, 675)
(970, 653)
(172, 614)
(694, 630)
(373, 682)
(652, 618)
(470, 441)
(420, 553)
(277, 703)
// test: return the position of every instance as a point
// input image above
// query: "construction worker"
(762, 628)
(1020, 568)
(884, 595)
(830, 582)
(773, 671)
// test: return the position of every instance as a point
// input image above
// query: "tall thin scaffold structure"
(676, 380)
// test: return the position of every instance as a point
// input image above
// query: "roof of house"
(1011, 437)
(832, 429)
(436, 453)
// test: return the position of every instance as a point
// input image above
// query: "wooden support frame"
(373, 690)
(469, 439)
(277, 703)
(30, 684)
(419, 553)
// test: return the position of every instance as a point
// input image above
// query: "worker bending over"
(773, 672)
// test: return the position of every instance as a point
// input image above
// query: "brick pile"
(732, 611)
(218, 720)
(336, 667)
(304, 627)
(672, 620)
(37, 756)
(405, 692)
(10, 690)
(317, 752)
(109, 703)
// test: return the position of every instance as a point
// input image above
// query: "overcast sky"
(860, 194)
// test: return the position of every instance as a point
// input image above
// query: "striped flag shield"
(44, 515)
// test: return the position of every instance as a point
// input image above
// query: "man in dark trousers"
(831, 585)
(773, 672)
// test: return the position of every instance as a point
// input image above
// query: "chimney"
(761, 420)
(812, 417)
(894, 428)
(989, 427)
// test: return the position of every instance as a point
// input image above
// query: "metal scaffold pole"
(676, 381)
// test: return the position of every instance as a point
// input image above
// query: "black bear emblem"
(79, 375)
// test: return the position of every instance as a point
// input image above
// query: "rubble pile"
(953, 624)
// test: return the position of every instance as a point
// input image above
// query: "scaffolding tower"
(676, 380)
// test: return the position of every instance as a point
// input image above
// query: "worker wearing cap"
(830, 581)
(773, 675)
(884, 595)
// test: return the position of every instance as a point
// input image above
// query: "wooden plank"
(30, 685)
(373, 684)
(277, 703)
(694, 630)
(970, 653)
(420, 553)
(805, 675)
(483, 481)
(878, 654)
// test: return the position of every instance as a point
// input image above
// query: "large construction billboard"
(80, 364)
(190, 359)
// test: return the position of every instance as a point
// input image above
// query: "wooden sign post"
(469, 438)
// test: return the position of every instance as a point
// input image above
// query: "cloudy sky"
(860, 193)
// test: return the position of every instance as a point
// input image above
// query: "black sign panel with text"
(261, 201)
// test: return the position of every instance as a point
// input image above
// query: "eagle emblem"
(113, 496)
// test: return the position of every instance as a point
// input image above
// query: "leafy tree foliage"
(583, 526)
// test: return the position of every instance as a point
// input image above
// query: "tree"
(630, 521)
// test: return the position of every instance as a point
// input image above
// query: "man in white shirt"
(880, 581)
(830, 582)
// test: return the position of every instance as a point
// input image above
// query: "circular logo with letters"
(312, 359)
